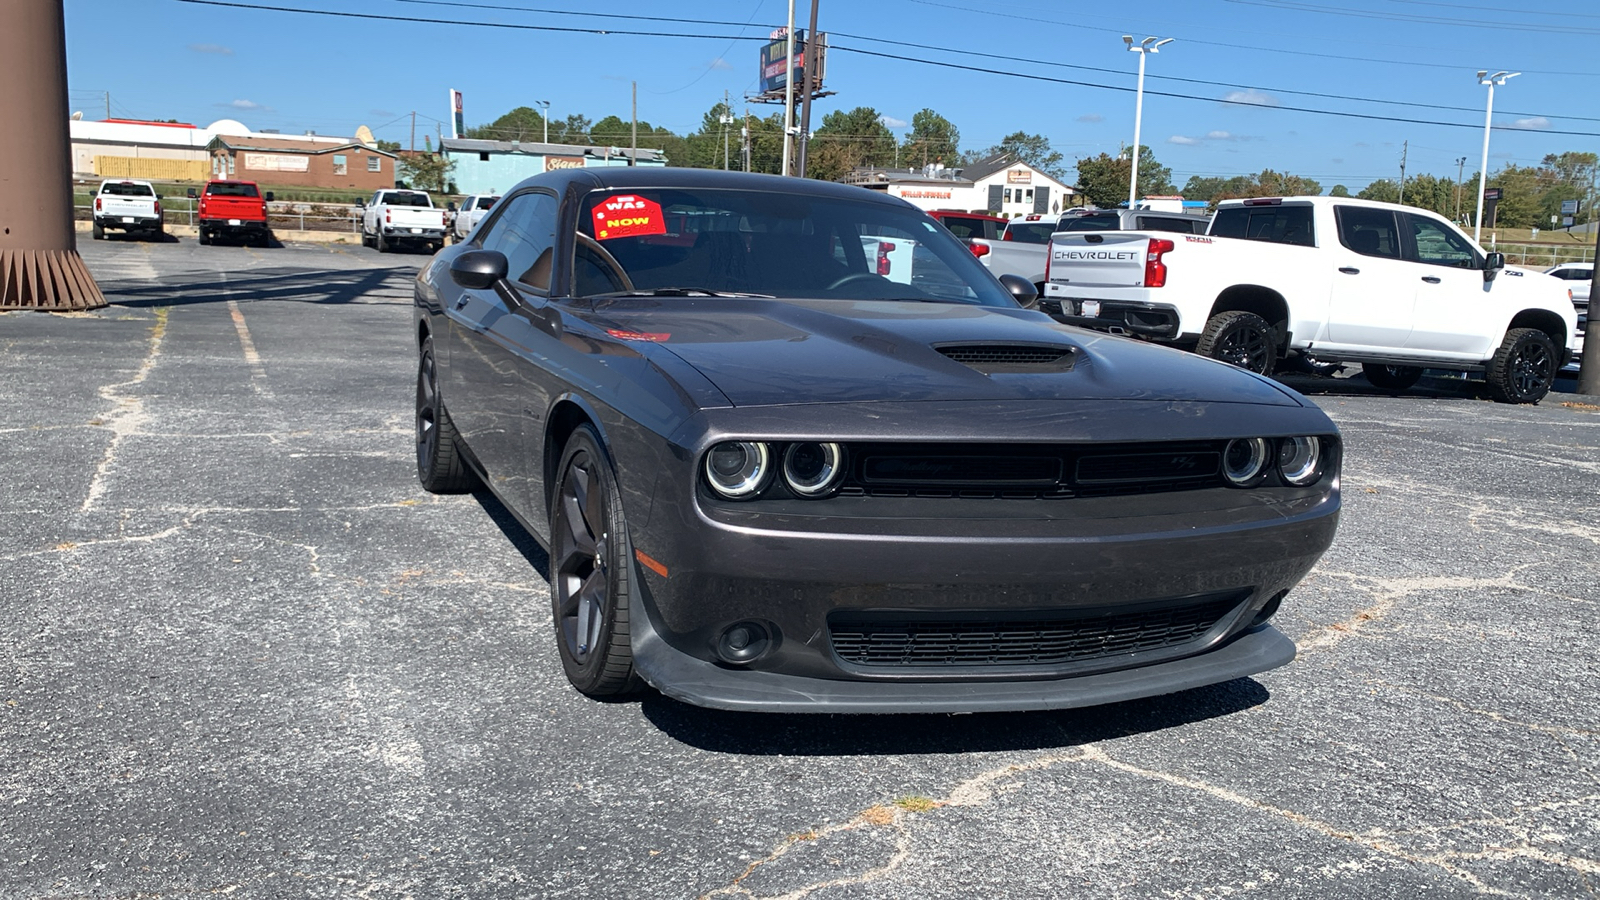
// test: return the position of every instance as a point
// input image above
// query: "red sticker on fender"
(627, 215)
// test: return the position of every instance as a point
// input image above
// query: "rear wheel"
(1391, 378)
(205, 236)
(1240, 338)
(439, 465)
(96, 231)
(380, 242)
(1524, 367)
(591, 571)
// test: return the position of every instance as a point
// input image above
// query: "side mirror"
(451, 206)
(479, 269)
(269, 196)
(1492, 264)
(1022, 290)
(190, 193)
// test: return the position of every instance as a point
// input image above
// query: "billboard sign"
(1569, 207)
(1491, 193)
(552, 163)
(458, 125)
(774, 74)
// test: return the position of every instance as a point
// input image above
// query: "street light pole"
(1485, 78)
(788, 91)
(1461, 169)
(544, 117)
(1148, 45)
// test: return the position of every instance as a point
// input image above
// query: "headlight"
(1244, 460)
(812, 468)
(1300, 460)
(738, 469)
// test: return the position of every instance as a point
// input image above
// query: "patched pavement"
(242, 652)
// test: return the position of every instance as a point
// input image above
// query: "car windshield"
(127, 189)
(693, 242)
(1030, 232)
(226, 189)
(406, 198)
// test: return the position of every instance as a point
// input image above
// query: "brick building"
(300, 162)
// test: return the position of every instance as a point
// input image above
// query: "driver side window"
(1437, 245)
(525, 232)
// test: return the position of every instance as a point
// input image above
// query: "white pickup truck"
(472, 211)
(399, 217)
(1334, 280)
(126, 206)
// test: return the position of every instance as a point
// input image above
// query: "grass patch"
(916, 804)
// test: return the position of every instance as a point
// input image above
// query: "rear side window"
(127, 190)
(1273, 224)
(1367, 231)
(228, 189)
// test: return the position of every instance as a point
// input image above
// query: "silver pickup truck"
(130, 206)
(400, 217)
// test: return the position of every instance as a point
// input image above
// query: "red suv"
(234, 209)
(967, 225)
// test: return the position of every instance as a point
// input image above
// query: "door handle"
(1350, 270)
(462, 303)
(1431, 279)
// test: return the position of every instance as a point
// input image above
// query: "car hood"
(762, 352)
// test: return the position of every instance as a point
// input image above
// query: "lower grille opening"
(973, 639)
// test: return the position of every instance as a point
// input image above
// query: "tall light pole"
(1148, 45)
(544, 117)
(1485, 78)
(1461, 169)
(788, 91)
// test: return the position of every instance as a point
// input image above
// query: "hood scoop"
(1006, 359)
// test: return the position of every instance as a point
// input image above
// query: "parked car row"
(225, 208)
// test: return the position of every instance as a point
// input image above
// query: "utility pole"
(1461, 170)
(788, 92)
(633, 159)
(1589, 367)
(108, 104)
(1405, 148)
(413, 131)
(809, 67)
(747, 138)
(725, 118)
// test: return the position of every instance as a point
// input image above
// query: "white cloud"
(1537, 123)
(1091, 117)
(244, 105)
(892, 122)
(1184, 141)
(720, 63)
(217, 49)
(1250, 97)
(1219, 136)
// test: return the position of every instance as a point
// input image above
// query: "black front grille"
(1133, 467)
(929, 640)
(943, 470)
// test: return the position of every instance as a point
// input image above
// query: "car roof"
(602, 178)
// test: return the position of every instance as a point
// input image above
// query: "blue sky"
(295, 72)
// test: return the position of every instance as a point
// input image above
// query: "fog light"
(738, 469)
(1244, 460)
(812, 468)
(1270, 609)
(743, 642)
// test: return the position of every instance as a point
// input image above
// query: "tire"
(440, 467)
(381, 242)
(1391, 378)
(366, 239)
(205, 237)
(591, 571)
(265, 242)
(1240, 338)
(1524, 367)
(96, 231)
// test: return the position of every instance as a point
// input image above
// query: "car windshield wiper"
(682, 292)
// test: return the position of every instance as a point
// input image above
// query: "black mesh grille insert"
(889, 639)
(981, 354)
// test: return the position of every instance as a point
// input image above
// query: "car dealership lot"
(243, 650)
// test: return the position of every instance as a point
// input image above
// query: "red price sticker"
(627, 215)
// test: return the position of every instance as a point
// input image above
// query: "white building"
(1000, 185)
(129, 148)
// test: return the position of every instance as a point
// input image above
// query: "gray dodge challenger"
(791, 448)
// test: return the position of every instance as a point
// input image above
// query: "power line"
(1405, 17)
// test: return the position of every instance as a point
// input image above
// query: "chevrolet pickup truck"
(1332, 279)
(234, 209)
(399, 217)
(130, 206)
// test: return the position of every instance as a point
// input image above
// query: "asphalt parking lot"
(244, 653)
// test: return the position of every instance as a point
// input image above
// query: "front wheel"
(591, 571)
(1240, 338)
(1524, 367)
(1391, 378)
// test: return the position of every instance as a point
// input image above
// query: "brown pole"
(39, 263)
(1589, 367)
(810, 68)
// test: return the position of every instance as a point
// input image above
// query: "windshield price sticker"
(628, 215)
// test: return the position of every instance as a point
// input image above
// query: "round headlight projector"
(812, 468)
(1244, 460)
(1300, 460)
(738, 469)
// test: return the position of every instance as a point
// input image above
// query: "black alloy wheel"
(1391, 378)
(1524, 367)
(439, 464)
(591, 571)
(1239, 338)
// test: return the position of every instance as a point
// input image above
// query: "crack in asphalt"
(1389, 592)
(127, 414)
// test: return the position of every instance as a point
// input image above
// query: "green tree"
(847, 140)
(574, 129)
(1033, 149)
(1383, 190)
(932, 139)
(391, 146)
(1104, 178)
(521, 124)
(1339, 190)
(428, 171)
